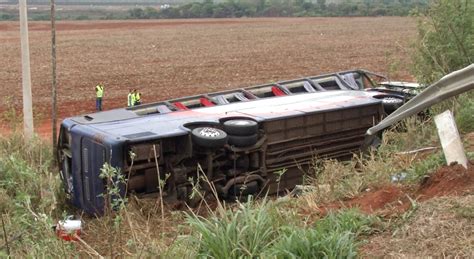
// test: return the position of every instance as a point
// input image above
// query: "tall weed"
(10, 115)
(29, 198)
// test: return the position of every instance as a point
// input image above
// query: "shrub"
(445, 36)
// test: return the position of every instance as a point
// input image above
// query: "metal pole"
(53, 60)
(26, 75)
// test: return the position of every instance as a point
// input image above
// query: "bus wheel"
(240, 127)
(209, 137)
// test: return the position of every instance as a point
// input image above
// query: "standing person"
(99, 92)
(130, 98)
(137, 97)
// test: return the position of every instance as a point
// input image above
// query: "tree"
(445, 39)
(207, 8)
(260, 6)
(150, 13)
(136, 13)
(195, 10)
(322, 4)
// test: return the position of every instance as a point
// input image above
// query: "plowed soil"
(173, 58)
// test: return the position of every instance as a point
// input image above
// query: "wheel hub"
(241, 122)
(391, 100)
(209, 132)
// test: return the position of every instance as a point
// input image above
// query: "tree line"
(238, 8)
(281, 8)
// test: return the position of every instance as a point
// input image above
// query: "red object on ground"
(206, 102)
(277, 91)
(69, 230)
(66, 236)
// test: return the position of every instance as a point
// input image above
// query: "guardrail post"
(450, 140)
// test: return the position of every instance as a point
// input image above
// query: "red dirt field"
(448, 180)
(172, 58)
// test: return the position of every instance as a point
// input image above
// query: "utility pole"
(26, 75)
(53, 60)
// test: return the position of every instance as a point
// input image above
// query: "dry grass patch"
(336, 180)
(141, 231)
(441, 227)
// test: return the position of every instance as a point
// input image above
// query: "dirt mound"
(379, 199)
(448, 180)
(392, 199)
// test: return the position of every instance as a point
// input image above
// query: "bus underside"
(236, 157)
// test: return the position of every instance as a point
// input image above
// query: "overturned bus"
(242, 140)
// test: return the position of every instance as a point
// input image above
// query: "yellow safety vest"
(100, 91)
(133, 99)
(137, 97)
(130, 99)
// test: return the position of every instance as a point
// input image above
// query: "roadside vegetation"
(32, 201)
(445, 39)
(29, 187)
(238, 8)
(270, 230)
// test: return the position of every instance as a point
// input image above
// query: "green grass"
(335, 236)
(428, 165)
(246, 232)
(465, 113)
(264, 229)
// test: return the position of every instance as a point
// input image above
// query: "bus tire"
(390, 104)
(240, 127)
(243, 141)
(209, 137)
